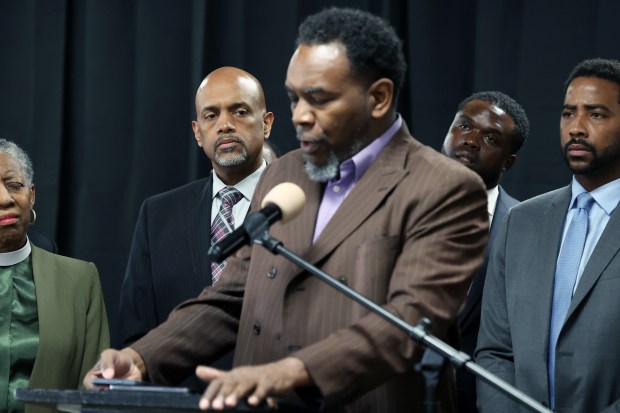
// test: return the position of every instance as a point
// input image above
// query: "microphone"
(282, 203)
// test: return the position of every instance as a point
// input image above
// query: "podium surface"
(123, 401)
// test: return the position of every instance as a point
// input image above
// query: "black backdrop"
(100, 93)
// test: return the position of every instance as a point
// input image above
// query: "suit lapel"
(43, 263)
(300, 230)
(199, 232)
(51, 323)
(605, 250)
(378, 181)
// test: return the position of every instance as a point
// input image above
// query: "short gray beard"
(332, 168)
(323, 173)
(230, 159)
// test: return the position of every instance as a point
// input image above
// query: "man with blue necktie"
(549, 321)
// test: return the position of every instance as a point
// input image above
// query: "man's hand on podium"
(256, 383)
(123, 364)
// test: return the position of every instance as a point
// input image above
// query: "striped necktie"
(223, 224)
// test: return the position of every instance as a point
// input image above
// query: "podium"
(126, 401)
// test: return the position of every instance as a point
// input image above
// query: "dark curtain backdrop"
(100, 93)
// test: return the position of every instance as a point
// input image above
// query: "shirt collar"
(15, 257)
(245, 186)
(361, 161)
(606, 196)
(492, 196)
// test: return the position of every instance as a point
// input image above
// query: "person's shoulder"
(287, 168)
(508, 200)
(288, 165)
(179, 193)
(423, 156)
(426, 161)
(69, 266)
(540, 203)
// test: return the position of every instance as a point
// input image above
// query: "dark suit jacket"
(469, 318)
(516, 312)
(409, 236)
(168, 261)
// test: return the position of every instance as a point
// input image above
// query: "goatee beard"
(322, 173)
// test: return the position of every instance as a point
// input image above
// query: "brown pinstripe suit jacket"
(409, 236)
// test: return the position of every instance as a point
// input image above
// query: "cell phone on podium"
(136, 386)
(101, 382)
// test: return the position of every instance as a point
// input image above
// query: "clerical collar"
(15, 257)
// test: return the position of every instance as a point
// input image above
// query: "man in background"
(487, 132)
(550, 322)
(168, 262)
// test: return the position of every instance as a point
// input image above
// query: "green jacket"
(73, 326)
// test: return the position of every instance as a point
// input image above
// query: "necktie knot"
(584, 201)
(230, 196)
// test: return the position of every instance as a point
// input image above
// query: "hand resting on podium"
(256, 383)
(226, 388)
(115, 364)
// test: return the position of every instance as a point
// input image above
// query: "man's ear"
(196, 130)
(508, 162)
(381, 94)
(267, 124)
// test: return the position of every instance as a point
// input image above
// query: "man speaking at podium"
(386, 215)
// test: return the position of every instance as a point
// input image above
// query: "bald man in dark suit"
(168, 263)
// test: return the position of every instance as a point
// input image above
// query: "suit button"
(343, 280)
(294, 347)
(272, 272)
(256, 329)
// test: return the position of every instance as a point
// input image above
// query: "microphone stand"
(418, 333)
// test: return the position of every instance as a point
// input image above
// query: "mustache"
(228, 137)
(316, 138)
(581, 142)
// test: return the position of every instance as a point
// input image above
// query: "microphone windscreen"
(287, 196)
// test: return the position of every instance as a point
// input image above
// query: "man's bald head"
(232, 122)
(234, 75)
